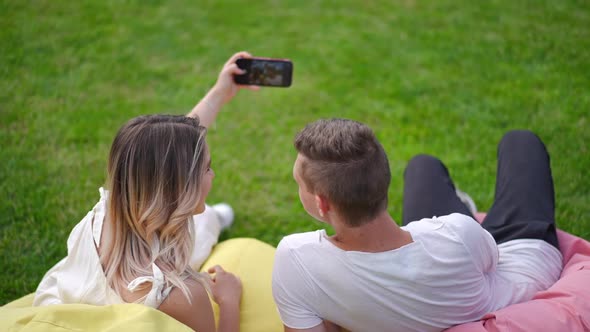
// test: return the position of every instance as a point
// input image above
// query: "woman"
(140, 240)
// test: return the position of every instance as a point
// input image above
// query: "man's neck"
(378, 235)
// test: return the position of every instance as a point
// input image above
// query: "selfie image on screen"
(266, 73)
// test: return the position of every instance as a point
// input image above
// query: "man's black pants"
(524, 203)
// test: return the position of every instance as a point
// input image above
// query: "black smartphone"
(265, 72)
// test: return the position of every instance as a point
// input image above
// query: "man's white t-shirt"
(453, 272)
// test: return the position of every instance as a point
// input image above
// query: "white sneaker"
(225, 213)
(467, 200)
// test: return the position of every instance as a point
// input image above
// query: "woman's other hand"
(226, 288)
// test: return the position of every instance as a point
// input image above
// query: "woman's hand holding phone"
(225, 86)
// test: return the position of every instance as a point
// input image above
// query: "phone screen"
(265, 72)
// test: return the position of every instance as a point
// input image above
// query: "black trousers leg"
(429, 190)
(524, 203)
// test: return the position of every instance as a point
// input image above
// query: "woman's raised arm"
(222, 92)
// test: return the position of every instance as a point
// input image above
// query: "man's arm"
(319, 328)
(479, 242)
(326, 326)
(293, 291)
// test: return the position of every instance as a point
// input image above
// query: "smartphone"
(265, 72)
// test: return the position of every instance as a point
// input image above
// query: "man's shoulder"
(457, 217)
(297, 240)
(461, 224)
(443, 231)
(453, 220)
(295, 254)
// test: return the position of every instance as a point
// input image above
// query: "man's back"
(445, 277)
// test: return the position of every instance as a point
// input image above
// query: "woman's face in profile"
(206, 183)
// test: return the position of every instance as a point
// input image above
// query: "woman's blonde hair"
(155, 172)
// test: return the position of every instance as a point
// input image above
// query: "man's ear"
(323, 204)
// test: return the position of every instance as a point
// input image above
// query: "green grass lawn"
(445, 77)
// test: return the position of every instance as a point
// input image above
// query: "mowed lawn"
(445, 77)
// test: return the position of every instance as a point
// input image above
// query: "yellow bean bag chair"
(250, 259)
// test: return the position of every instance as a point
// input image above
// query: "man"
(438, 270)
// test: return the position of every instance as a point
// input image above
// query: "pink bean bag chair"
(563, 307)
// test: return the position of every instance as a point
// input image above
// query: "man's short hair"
(345, 162)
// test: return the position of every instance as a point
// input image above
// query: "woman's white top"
(80, 278)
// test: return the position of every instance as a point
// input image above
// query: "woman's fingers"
(251, 87)
(209, 281)
(234, 69)
(215, 269)
(233, 58)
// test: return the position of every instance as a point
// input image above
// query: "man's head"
(342, 161)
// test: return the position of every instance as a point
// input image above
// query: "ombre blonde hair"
(155, 171)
